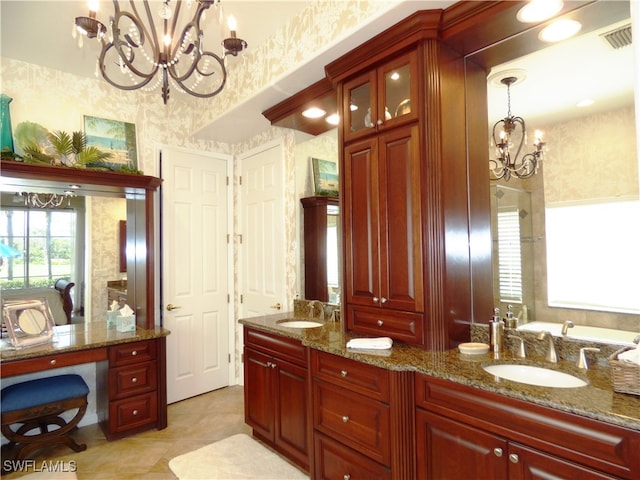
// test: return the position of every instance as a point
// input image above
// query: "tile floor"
(193, 423)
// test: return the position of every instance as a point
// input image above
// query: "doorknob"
(277, 306)
(172, 307)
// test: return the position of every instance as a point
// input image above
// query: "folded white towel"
(632, 356)
(381, 343)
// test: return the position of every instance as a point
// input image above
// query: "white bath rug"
(236, 457)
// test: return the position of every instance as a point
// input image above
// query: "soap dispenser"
(496, 333)
(510, 321)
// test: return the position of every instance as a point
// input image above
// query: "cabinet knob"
(383, 300)
(514, 458)
(379, 122)
(497, 452)
(347, 476)
(345, 418)
(134, 380)
(380, 323)
(344, 373)
(134, 353)
(53, 362)
(135, 412)
(375, 299)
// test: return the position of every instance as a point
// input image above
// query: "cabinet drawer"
(335, 461)
(405, 326)
(356, 376)
(134, 412)
(134, 352)
(283, 347)
(132, 379)
(354, 419)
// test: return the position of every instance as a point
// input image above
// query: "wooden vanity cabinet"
(359, 419)
(276, 393)
(461, 431)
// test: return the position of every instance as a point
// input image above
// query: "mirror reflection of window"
(333, 277)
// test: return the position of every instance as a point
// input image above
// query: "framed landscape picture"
(325, 177)
(115, 137)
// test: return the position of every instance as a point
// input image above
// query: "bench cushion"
(41, 391)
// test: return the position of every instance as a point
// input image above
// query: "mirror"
(79, 240)
(325, 147)
(564, 236)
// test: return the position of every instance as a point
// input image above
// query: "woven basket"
(625, 375)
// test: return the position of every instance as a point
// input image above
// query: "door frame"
(229, 159)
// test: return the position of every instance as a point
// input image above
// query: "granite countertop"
(76, 337)
(597, 400)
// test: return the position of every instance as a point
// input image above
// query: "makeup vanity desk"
(131, 386)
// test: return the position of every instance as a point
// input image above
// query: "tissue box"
(126, 324)
(111, 318)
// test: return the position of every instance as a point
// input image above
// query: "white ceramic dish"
(473, 348)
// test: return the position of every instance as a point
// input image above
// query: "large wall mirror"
(564, 241)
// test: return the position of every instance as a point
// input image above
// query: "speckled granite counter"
(596, 400)
(78, 337)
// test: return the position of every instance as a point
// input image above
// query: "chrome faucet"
(566, 326)
(582, 359)
(312, 309)
(551, 353)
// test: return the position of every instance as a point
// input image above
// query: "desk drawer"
(355, 420)
(272, 344)
(132, 379)
(356, 376)
(134, 352)
(334, 460)
(133, 412)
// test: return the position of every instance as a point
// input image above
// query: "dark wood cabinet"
(320, 282)
(276, 393)
(462, 432)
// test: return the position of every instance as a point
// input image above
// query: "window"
(579, 251)
(46, 240)
(509, 257)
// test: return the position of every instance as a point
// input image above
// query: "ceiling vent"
(618, 38)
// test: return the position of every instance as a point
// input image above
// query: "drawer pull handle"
(344, 373)
(345, 418)
(514, 458)
(134, 380)
(53, 362)
(347, 476)
(376, 299)
(380, 323)
(497, 452)
(134, 353)
(135, 412)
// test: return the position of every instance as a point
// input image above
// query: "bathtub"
(581, 332)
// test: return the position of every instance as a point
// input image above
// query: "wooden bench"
(37, 405)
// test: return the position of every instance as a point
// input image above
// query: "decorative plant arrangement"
(59, 148)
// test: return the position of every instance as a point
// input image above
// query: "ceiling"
(48, 25)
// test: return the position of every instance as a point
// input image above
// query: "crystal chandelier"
(512, 136)
(145, 49)
(46, 200)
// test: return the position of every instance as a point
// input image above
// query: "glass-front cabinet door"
(381, 98)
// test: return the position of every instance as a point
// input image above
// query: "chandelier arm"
(180, 79)
(146, 78)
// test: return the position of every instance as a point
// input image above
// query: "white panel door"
(263, 238)
(195, 271)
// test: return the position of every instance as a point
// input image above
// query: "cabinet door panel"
(400, 214)
(291, 414)
(359, 107)
(258, 393)
(447, 449)
(531, 464)
(361, 220)
(334, 461)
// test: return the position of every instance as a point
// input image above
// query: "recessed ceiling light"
(587, 102)
(560, 30)
(314, 112)
(75, 186)
(539, 10)
(353, 107)
(333, 119)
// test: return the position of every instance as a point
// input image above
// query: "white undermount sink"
(299, 324)
(542, 377)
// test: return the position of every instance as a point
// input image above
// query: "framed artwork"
(115, 137)
(28, 322)
(325, 177)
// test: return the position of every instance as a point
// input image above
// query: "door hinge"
(241, 299)
(242, 358)
(227, 180)
(229, 358)
(240, 238)
(228, 298)
(240, 180)
(228, 238)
